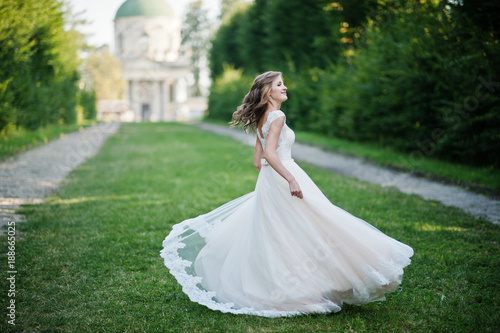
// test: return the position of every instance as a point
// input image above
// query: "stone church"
(148, 44)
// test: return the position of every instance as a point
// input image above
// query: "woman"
(283, 249)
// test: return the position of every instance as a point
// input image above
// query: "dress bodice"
(286, 138)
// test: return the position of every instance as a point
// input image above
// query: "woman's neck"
(273, 106)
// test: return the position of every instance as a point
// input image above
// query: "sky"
(101, 13)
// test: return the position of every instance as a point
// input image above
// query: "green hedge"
(227, 94)
(412, 77)
(38, 65)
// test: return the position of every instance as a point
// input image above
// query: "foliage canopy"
(419, 76)
(39, 66)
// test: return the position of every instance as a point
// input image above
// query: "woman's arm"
(273, 160)
(259, 152)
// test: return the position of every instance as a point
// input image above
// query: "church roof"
(144, 8)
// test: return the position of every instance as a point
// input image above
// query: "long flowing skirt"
(270, 254)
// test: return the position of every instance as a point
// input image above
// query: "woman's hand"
(295, 189)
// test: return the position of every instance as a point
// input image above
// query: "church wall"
(156, 38)
(152, 65)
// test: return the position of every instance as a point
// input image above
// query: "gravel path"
(476, 204)
(36, 173)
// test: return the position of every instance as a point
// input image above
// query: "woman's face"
(278, 91)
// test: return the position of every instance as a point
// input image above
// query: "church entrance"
(146, 113)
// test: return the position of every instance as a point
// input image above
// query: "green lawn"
(88, 258)
(19, 140)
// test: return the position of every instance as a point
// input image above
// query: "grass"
(15, 141)
(88, 259)
(481, 179)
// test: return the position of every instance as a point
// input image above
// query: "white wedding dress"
(270, 254)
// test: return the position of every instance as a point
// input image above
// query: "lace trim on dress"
(371, 286)
(364, 291)
(270, 118)
(191, 287)
(181, 268)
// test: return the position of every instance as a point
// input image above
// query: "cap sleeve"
(275, 115)
(270, 118)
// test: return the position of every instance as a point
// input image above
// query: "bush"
(88, 102)
(408, 89)
(405, 74)
(227, 93)
(38, 65)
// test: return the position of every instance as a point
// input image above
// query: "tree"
(102, 73)
(229, 7)
(195, 36)
(302, 34)
(225, 48)
(252, 38)
(38, 64)
(483, 14)
(355, 12)
(422, 76)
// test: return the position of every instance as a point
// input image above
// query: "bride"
(283, 249)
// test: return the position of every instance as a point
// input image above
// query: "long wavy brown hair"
(255, 102)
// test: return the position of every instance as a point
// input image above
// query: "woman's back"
(286, 138)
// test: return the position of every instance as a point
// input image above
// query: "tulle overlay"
(270, 254)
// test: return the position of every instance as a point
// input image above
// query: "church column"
(168, 106)
(154, 89)
(131, 100)
(173, 98)
(161, 85)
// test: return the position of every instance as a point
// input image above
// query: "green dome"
(144, 8)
